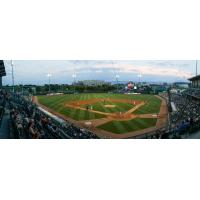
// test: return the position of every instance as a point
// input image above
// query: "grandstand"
(185, 111)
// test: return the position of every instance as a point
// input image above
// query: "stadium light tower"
(139, 77)
(116, 76)
(49, 76)
(117, 80)
(74, 80)
(13, 79)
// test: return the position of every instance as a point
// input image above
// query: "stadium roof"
(2, 69)
(194, 78)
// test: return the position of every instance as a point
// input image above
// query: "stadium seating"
(187, 117)
(194, 92)
(30, 122)
(2, 105)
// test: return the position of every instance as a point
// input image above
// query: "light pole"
(74, 78)
(116, 76)
(139, 77)
(49, 76)
(117, 79)
(13, 80)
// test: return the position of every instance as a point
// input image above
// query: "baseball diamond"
(109, 115)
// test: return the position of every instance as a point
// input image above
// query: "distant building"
(195, 81)
(2, 71)
(92, 83)
(158, 87)
(181, 85)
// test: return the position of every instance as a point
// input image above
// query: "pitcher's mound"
(110, 106)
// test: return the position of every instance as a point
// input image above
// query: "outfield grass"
(120, 127)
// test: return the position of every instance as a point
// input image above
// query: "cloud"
(99, 71)
(147, 70)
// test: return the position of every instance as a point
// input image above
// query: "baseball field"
(114, 115)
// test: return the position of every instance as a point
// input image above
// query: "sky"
(35, 72)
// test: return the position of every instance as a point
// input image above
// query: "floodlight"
(49, 75)
(73, 75)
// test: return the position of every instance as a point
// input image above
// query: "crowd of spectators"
(28, 121)
(3, 96)
(187, 117)
(195, 92)
(182, 122)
